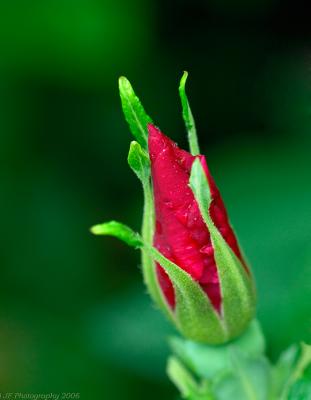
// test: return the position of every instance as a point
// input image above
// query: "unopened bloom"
(191, 262)
(182, 236)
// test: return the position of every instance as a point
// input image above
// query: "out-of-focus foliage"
(73, 312)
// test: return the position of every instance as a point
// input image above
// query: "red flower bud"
(191, 262)
(181, 234)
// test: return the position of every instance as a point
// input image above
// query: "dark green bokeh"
(74, 314)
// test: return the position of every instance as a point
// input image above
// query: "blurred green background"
(74, 315)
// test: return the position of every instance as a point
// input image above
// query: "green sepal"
(134, 112)
(236, 284)
(148, 264)
(120, 231)
(152, 283)
(194, 314)
(138, 160)
(133, 239)
(188, 117)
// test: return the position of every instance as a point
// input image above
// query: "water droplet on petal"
(208, 250)
(182, 216)
(168, 204)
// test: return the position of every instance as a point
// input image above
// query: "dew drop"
(208, 250)
(168, 204)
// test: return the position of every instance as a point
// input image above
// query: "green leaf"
(181, 377)
(119, 231)
(134, 112)
(301, 390)
(299, 378)
(237, 286)
(138, 160)
(195, 317)
(304, 361)
(283, 369)
(188, 117)
(189, 388)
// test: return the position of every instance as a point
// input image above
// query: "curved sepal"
(134, 112)
(237, 285)
(194, 314)
(188, 117)
(120, 231)
(133, 239)
(138, 160)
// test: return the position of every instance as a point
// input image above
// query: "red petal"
(181, 234)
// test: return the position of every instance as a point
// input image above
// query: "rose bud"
(205, 282)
